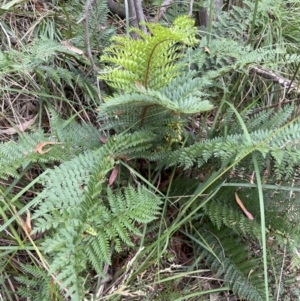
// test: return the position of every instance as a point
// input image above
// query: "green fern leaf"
(230, 255)
(149, 61)
(84, 220)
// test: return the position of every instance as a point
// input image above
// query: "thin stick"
(240, 203)
(87, 42)
(162, 9)
(87, 33)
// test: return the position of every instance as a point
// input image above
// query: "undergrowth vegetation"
(160, 167)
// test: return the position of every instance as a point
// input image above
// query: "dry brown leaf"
(103, 139)
(19, 128)
(72, 48)
(247, 213)
(27, 224)
(206, 49)
(38, 6)
(113, 175)
(39, 147)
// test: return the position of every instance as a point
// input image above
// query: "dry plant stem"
(203, 15)
(13, 289)
(7, 36)
(191, 8)
(284, 102)
(287, 84)
(293, 79)
(271, 75)
(132, 14)
(281, 273)
(101, 288)
(87, 33)
(140, 14)
(162, 9)
(117, 9)
(87, 42)
(136, 15)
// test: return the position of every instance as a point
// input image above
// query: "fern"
(236, 24)
(176, 9)
(84, 220)
(182, 99)
(272, 136)
(24, 151)
(31, 56)
(159, 84)
(150, 70)
(281, 219)
(222, 214)
(229, 258)
(99, 33)
(149, 61)
(282, 145)
(38, 59)
(35, 277)
(220, 57)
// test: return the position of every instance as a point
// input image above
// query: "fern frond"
(282, 145)
(230, 258)
(35, 277)
(155, 110)
(150, 61)
(282, 219)
(235, 25)
(187, 104)
(175, 10)
(219, 57)
(80, 136)
(222, 214)
(57, 74)
(99, 33)
(83, 220)
(31, 56)
(74, 139)
(14, 155)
